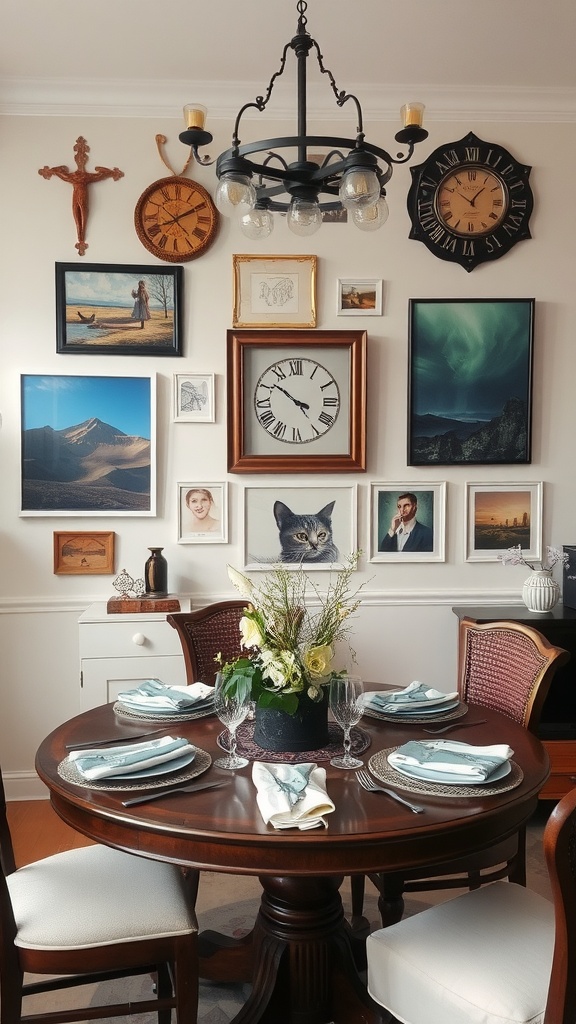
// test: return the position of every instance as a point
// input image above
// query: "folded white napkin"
(152, 694)
(415, 693)
(292, 795)
(97, 763)
(451, 757)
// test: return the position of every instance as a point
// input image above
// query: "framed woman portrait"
(407, 522)
(202, 513)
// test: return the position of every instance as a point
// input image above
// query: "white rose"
(250, 635)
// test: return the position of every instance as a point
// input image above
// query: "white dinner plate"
(412, 772)
(156, 769)
(412, 704)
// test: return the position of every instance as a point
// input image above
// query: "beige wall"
(405, 628)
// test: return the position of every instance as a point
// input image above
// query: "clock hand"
(301, 405)
(476, 196)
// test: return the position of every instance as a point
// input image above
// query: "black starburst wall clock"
(470, 202)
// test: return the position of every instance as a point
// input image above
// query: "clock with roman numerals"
(470, 202)
(175, 219)
(296, 401)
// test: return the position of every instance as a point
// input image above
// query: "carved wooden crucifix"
(80, 180)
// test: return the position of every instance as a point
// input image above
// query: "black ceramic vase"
(156, 574)
(306, 729)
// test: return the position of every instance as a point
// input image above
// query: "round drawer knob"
(139, 639)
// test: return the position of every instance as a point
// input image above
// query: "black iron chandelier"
(349, 174)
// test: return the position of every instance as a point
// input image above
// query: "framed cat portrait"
(310, 526)
(407, 522)
(296, 401)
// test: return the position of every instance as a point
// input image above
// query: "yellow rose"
(250, 635)
(318, 660)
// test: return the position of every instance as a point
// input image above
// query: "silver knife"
(115, 740)
(158, 793)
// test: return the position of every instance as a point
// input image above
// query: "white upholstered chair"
(501, 954)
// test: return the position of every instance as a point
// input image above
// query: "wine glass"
(347, 707)
(231, 708)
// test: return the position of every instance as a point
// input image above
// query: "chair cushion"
(96, 896)
(481, 958)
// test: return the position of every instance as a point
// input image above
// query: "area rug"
(229, 904)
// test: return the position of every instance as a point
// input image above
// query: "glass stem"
(232, 742)
(347, 741)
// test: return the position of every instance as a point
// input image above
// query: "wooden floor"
(38, 832)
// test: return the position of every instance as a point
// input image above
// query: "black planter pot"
(306, 729)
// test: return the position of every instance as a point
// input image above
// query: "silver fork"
(454, 725)
(368, 783)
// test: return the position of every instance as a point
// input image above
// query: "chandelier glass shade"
(303, 176)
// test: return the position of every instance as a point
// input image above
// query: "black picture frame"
(569, 577)
(470, 381)
(96, 303)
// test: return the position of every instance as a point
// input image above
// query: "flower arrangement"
(514, 556)
(291, 646)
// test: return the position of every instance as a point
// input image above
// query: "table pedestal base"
(299, 958)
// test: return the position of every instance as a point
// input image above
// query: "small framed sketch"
(500, 516)
(194, 398)
(359, 297)
(202, 512)
(84, 553)
(274, 291)
(298, 526)
(407, 522)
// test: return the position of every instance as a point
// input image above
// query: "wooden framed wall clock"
(175, 219)
(470, 202)
(296, 401)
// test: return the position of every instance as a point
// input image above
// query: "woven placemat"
(68, 771)
(383, 716)
(246, 746)
(123, 711)
(383, 771)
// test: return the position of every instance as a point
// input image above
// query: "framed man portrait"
(407, 522)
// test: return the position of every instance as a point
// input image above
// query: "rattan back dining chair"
(500, 955)
(90, 915)
(503, 665)
(204, 634)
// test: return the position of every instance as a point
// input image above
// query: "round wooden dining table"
(301, 957)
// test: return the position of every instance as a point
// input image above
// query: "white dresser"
(118, 651)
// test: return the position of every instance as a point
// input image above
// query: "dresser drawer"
(118, 638)
(562, 754)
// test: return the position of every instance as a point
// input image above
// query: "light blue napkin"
(451, 757)
(151, 694)
(294, 782)
(404, 700)
(292, 795)
(97, 763)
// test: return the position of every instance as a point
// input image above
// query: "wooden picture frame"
(193, 398)
(265, 508)
(500, 516)
(99, 308)
(212, 509)
(470, 381)
(359, 296)
(426, 539)
(274, 291)
(318, 423)
(84, 553)
(88, 445)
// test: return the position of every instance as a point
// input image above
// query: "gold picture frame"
(274, 291)
(84, 553)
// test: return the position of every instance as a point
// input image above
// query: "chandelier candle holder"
(350, 174)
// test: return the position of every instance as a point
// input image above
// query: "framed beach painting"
(202, 512)
(112, 309)
(407, 522)
(470, 381)
(88, 445)
(310, 526)
(500, 516)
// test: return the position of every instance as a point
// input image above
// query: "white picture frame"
(212, 504)
(193, 398)
(430, 539)
(262, 545)
(500, 515)
(359, 296)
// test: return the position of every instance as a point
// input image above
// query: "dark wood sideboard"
(558, 723)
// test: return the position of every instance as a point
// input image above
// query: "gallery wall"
(405, 628)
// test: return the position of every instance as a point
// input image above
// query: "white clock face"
(296, 400)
